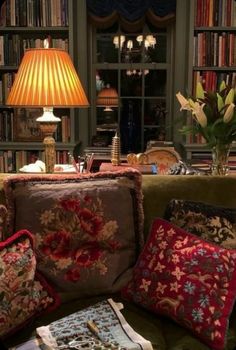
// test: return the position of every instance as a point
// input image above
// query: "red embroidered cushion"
(188, 279)
(24, 293)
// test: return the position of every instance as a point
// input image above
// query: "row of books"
(34, 13)
(214, 49)
(211, 80)
(210, 13)
(22, 126)
(14, 160)
(13, 46)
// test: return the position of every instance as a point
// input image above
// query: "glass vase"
(220, 158)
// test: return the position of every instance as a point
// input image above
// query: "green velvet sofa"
(161, 331)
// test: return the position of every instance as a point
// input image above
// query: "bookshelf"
(25, 24)
(212, 56)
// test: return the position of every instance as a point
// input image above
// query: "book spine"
(2, 61)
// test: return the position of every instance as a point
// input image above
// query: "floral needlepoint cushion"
(87, 228)
(24, 293)
(188, 279)
(214, 223)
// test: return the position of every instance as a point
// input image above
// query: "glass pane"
(155, 83)
(151, 134)
(106, 76)
(156, 53)
(106, 119)
(154, 115)
(106, 50)
(155, 112)
(131, 51)
(130, 125)
(131, 83)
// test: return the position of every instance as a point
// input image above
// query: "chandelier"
(120, 40)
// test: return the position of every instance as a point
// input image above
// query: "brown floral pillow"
(87, 229)
(24, 293)
(214, 223)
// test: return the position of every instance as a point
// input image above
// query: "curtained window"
(131, 14)
(132, 53)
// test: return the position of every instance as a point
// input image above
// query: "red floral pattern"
(23, 291)
(189, 279)
(75, 237)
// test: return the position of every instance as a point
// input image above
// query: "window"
(139, 67)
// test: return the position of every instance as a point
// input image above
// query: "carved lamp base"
(48, 125)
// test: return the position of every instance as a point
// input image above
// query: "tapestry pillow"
(3, 220)
(188, 279)
(214, 223)
(87, 228)
(24, 293)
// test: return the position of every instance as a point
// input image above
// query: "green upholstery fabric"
(162, 332)
(159, 190)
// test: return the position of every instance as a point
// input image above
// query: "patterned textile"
(188, 279)
(113, 330)
(87, 229)
(3, 221)
(23, 292)
(213, 223)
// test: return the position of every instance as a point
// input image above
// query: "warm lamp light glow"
(108, 98)
(47, 78)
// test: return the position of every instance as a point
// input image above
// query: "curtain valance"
(130, 13)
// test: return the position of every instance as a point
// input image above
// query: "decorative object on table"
(140, 159)
(182, 168)
(161, 157)
(47, 78)
(220, 157)
(214, 116)
(115, 150)
(107, 330)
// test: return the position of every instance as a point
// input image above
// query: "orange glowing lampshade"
(108, 98)
(47, 78)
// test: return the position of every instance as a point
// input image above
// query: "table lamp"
(46, 79)
(107, 98)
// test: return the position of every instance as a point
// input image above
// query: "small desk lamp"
(108, 98)
(47, 78)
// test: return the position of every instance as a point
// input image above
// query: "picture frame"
(25, 126)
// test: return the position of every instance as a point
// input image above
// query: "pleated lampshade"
(107, 97)
(47, 78)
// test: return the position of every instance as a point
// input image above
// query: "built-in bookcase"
(26, 24)
(212, 54)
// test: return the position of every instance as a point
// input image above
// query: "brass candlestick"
(115, 150)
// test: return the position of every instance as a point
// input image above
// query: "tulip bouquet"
(214, 114)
